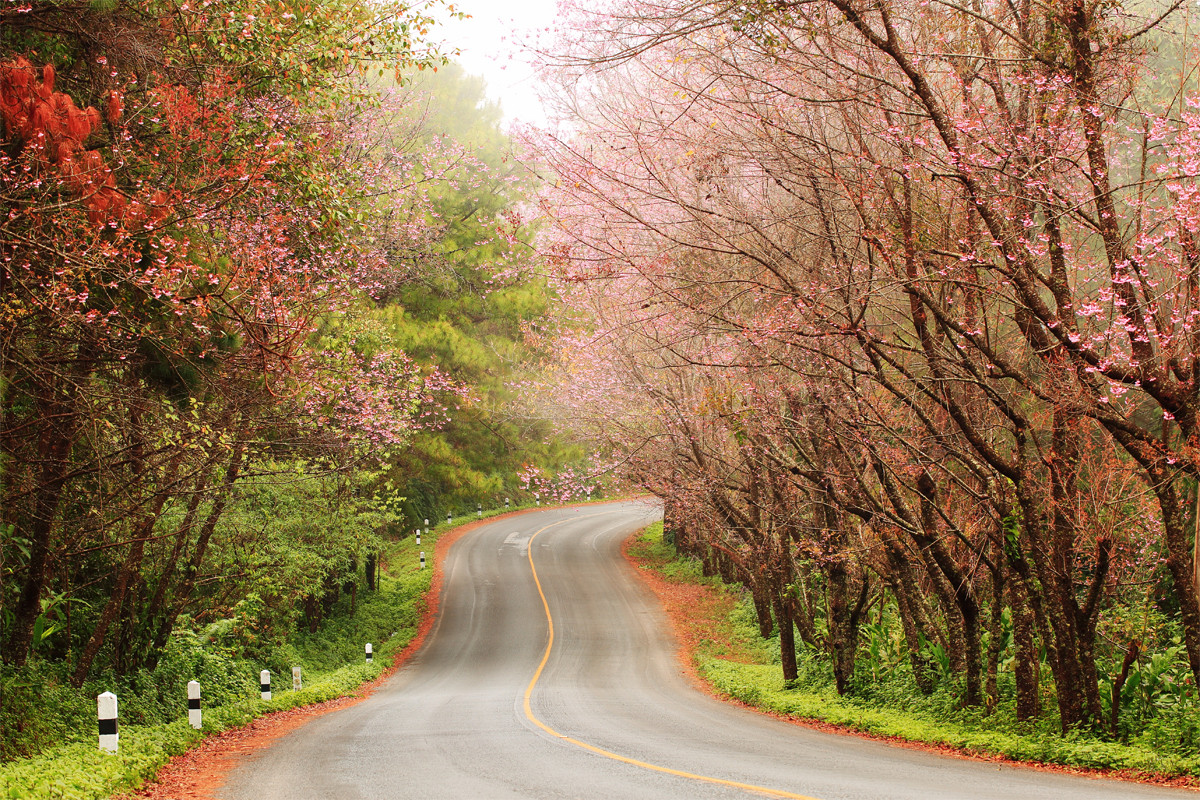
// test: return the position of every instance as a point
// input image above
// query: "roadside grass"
(333, 665)
(80, 771)
(715, 626)
(729, 654)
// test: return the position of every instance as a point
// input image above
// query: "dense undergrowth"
(49, 728)
(885, 701)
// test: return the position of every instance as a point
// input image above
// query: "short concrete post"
(418, 535)
(537, 500)
(427, 526)
(422, 559)
(106, 712)
(479, 510)
(297, 685)
(506, 504)
(447, 517)
(369, 653)
(194, 704)
(264, 684)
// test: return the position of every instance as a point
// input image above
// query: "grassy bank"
(153, 706)
(737, 662)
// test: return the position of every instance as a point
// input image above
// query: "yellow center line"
(592, 748)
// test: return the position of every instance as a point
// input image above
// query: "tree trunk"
(961, 606)
(116, 597)
(762, 607)
(913, 618)
(1179, 561)
(1027, 665)
(995, 635)
(55, 450)
(371, 557)
(843, 624)
(183, 595)
(787, 639)
(1131, 654)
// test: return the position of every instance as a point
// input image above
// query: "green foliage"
(466, 309)
(381, 614)
(153, 704)
(38, 708)
(760, 685)
(673, 566)
(310, 529)
(1162, 726)
(155, 698)
(82, 772)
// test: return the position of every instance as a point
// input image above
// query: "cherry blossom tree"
(955, 241)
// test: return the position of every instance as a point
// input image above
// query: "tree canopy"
(894, 305)
(260, 281)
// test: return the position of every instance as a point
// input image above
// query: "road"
(487, 710)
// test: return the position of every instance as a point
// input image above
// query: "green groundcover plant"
(153, 705)
(889, 703)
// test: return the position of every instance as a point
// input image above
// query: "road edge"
(678, 612)
(201, 771)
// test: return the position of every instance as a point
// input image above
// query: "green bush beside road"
(888, 703)
(153, 706)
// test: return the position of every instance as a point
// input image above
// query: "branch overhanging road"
(550, 674)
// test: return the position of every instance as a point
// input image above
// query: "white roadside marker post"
(422, 559)
(427, 526)
(479, 510)
(447, 517)
(193, 689)
(297, 684)
(369, 653)
(506, 504)
(418, 535)
(264, 684)
(106, 713)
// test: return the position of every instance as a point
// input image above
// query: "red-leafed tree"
(166, 266)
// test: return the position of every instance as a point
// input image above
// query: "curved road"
(486, 710)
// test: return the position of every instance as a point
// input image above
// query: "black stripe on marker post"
(108, 727)
(193, 703)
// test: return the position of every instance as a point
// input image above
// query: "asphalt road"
(488, 710)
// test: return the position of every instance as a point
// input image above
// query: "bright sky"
(490, 42)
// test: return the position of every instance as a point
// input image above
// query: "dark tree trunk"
(29, 605)
(913, 618)
(787, 639)
(187, 585)
(1027, 664)
(995, 634)
(967, 637)
(762, 607)
(1131, 654)
(116, 598)
(801, 613)
(55, 450)
(156, 614)
(844, 623)
(1179, 540)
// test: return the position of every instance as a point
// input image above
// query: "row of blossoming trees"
(897, 306)
(185, 279)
